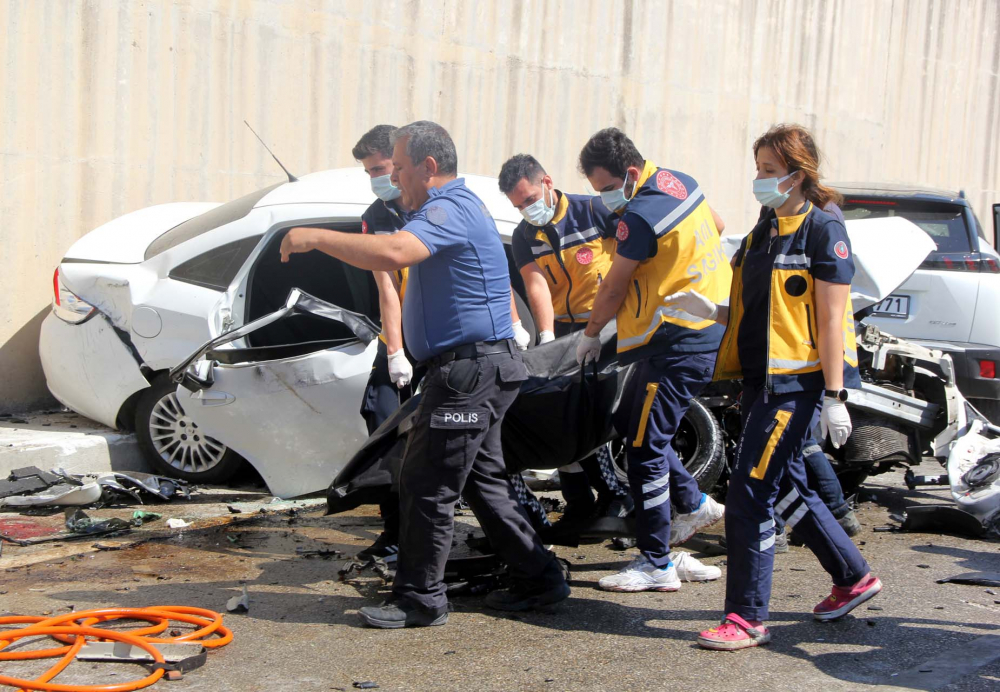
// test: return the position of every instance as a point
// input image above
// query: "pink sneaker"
(734, 633)
(844, 599)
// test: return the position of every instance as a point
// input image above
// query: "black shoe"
(615, 520)
(525, 595)
(574, 519)
(385, 547)
(396, 614)
(849, 522)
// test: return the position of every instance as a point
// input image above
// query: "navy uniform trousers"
(769, 479)
(454, 449)
(654, 401)
(381, 399)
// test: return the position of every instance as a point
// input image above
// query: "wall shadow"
(21, 373)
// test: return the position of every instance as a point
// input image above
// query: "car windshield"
(944, 223)
(210, 220)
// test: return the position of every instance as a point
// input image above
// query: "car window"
(216, 268)
(210, 220)
(944, 223)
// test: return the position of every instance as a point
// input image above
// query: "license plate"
(893, 306)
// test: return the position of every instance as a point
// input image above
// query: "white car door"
(292, 411)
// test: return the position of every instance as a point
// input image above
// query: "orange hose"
(74, 629)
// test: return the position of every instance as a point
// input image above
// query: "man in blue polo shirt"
(456, 320)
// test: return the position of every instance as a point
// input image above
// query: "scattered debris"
(239, 604)
(177, 523)
(366, 685)
(234, 510)
(142, 517)
(973, 578)
(324, 553)
(941, 519)
(924, 566)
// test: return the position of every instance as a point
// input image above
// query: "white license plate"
(893, 306)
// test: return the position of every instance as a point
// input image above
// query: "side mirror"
(996, 227)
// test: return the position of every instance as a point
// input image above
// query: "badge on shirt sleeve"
(622, 234)
(840, 249)
(437, 215)
(364, 226)
(584, 255)
(668, 182)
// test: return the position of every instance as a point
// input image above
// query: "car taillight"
(988, 369)
(990, 265)
(66, 305)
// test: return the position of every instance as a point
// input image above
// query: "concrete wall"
(107, 106)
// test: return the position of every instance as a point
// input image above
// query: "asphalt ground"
(302, 631)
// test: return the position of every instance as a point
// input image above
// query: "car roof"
(353, 186)
(899, 190)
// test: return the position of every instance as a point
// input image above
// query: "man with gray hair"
(456, 321)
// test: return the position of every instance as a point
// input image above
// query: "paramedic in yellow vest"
(790, 338)
(563, 249)
(667, 241)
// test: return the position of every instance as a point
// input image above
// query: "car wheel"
(698, 443)
(989, 408)
(173, 443)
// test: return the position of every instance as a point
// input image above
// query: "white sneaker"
(684, 526)
(690, 568)
(641, 575)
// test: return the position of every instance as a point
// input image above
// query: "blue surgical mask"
(616, 199)
(384, 189)
(539, 214)
(766, 191)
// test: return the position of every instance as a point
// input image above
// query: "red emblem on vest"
(585, 255)
(622, 233)
(364, 226)
(666, 181)
(841, 249)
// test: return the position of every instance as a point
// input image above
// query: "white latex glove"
(545, 336)
(693, 303)
(521, 336)
(588, 349)
(835, 421)
(400, 370)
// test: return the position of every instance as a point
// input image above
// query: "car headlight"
(67, 306)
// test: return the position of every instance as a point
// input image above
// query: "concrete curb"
(66, 440)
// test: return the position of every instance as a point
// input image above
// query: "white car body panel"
(126, 238)
(88, 368)
(295, 420)
(942, 306)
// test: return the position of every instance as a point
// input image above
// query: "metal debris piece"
(973, 578)
(239, 604)
(366, 685)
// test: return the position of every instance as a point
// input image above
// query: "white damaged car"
(137, 296)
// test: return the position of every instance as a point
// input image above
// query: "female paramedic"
(790, 337)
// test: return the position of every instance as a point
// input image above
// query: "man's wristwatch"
(838, 394)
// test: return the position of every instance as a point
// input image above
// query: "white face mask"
(616, 199)
(384, 189)
(767, 193)
(539, 213)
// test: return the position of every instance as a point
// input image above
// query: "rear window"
(944, 223)
(210, 220)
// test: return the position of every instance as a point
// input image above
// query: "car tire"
(989, 408)
(699, 444)
(172, 443)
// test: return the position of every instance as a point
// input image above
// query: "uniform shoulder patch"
(668, 182)
(437, 215)
(840, 249)
(364, 226)
(622, 233)
(584, 255)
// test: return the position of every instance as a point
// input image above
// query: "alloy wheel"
(179, 441)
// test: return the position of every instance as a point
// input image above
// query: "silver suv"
(951, 301)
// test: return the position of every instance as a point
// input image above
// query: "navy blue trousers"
(655, 399)
(769, 479)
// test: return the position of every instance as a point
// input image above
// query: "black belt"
(474, 350)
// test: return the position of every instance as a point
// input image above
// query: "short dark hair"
(424, 139)
(612, 150)
(517, 167)
(375, 141)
